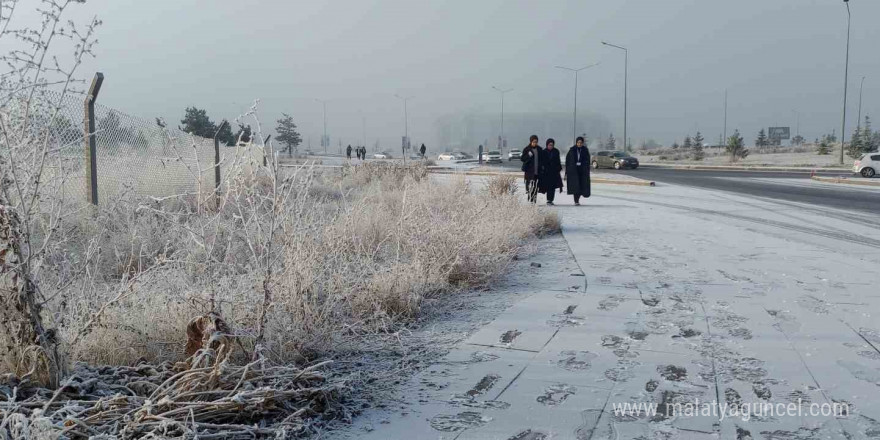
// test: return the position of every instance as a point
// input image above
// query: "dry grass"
(502, 185)
(359, 251)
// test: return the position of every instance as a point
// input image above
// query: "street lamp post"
(502, 92)
(845, 81)
(405, 124)
(625, 87)
(574, 122)
(724, 138)
(324, 140)
(861, 87)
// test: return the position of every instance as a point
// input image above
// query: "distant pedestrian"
(422, 150)
(364, 152)
(348, 152)
(551, 179)
(577, 171)
(531, 159)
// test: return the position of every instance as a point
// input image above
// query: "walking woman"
(551, 180)
(577, 170)
(531, 159)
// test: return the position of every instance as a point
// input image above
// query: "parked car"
(492, 157)
(446, 156)
(867, 165)
(461, 155)
(382, 155)
(514, 154)
(614, 159)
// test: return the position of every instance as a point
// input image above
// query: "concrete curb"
(598, 180)
(805, 169)
(846, 181)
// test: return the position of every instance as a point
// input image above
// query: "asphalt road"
(779, 185)
(785, 186)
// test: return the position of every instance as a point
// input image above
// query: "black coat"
(578, 177)
(529, 162)
(550, 179)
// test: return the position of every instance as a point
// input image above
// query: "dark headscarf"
(550, 141)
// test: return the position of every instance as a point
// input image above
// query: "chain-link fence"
(131, 154)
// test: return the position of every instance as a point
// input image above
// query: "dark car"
(614, 159)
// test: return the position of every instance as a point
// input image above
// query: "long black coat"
(578, 177)
(550, 179)
(528, 166)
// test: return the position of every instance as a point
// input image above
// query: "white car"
(514, 154)
(382, 155)
(446, 156)
(492, 157)
(867, 165)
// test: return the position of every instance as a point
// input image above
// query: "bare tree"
(33, 87)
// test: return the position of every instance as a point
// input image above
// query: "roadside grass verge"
(300, 267)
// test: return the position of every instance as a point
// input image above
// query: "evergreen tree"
(225, 135)
(824, 147)
(698, 150)
(855, 149)
(761, 141)
(243, 135)
(287, 134)
(688, 143)
(869, 137)
(798, 140)
(196, 122)
(736, 147)
(612, 143)
(698, 140)
(675, 145)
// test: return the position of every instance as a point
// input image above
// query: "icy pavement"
(684, 297)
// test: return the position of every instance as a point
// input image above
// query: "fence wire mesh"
(133, 155)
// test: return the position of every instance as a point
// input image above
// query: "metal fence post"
(265, 146)
(217, 155)
(91, 147)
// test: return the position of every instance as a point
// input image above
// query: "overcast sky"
(774, 56)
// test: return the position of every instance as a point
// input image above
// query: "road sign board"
(779, 133)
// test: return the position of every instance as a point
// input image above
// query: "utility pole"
(405, 124)
(845, 81)
(502, 92)
(625, 86)
(574, 123)
(324, 140)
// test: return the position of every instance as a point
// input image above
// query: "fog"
(775, 58)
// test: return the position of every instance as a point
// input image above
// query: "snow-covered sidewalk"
(683, 297)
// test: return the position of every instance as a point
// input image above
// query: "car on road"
(492, 157)
(614, 159)
(446, 156)
(867, 165)
(514, 154)
(382, 155)
(461, 155)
